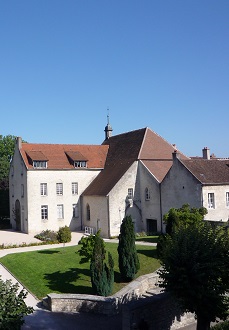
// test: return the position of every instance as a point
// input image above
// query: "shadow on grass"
(147, 239)
(149, 253)
(62, 281)
(48, 251)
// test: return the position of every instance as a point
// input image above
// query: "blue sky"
(161, 64)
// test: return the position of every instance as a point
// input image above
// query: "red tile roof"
(211, 171)
(56, 154)
(124, 149)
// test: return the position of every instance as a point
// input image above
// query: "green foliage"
(7, 144)
(102, 275)
(64, 235)
(12, 306)
(183, 216)
(195, 263)
(221, 326)
(49, 236)
(87, 247)
(128, 257)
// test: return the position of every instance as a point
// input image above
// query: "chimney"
(206, 153)
(176, 155)
(18, 142)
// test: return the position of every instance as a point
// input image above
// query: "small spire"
(108, 117)
(108, 129)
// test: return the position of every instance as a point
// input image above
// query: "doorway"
(151, 226)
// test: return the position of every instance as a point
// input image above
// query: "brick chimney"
(206, 153)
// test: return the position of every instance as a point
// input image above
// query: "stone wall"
(156, 312)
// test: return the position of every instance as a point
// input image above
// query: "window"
(75, 211)
(211, 201)
(39, 164)
(88, 213)
(43, 189)
(59, 188)
(44, 212)
(147, 194)
(60, 211)
(74, 188)
(22, 190)
(130, 193)
(80, 163)
(227, 199)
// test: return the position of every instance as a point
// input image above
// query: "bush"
(221, 326)
(87, 248)
(12, 306)
(47, 236)
(128, 257)
(64, 235)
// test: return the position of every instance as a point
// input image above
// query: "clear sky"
(157, 63)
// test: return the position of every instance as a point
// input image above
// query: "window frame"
(227, 199)
(39, 164)
(80, 163)
(60, 211)
(147, 194)
(44, 212)
(130, 193)
(75, 210)
(74, 188)
(59, 188)
(88, 212)
(211, 200)
(44, 189)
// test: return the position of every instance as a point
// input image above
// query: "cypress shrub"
(128, 258)
(102, 276)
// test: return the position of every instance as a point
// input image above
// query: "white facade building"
(137, 173)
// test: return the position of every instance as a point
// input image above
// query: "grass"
(58, 270)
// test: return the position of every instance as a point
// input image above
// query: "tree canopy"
(195, 263)
(7, 144)
(183, 216)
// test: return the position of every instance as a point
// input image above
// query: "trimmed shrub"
(47, 236)
(64, 235)
(128, 258)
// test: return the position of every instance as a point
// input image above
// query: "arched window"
(147, 194)
(88, 213)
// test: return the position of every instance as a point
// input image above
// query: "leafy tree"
(195, 263)
(87, 247)
(12, 306)
(102, 275)
(183, 216)
(128, 257)
(7, 144)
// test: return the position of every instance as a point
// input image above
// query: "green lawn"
(59, 270)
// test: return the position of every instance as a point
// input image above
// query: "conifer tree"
(128, 258)
(102, 275)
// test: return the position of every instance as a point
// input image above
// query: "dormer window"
(39, 164)
(80, 163)
(37, 159)
(77, 159)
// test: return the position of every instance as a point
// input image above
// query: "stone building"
(93, 187)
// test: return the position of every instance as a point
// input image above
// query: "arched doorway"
(18, 215)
